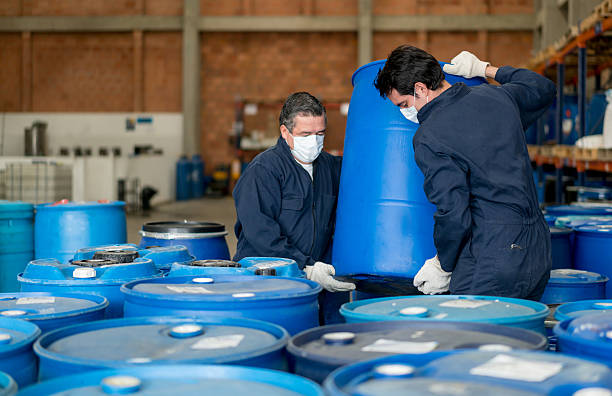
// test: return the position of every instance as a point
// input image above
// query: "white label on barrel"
(219, 342)
(189, 289)
(509, 367)
(462, 303)
(393, 346)
(36, 300)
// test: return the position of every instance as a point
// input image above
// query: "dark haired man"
(489, 231)
(286, 198)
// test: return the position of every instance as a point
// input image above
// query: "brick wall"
(142, 71)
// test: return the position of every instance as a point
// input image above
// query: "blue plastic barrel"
(317, 352)
(62, 228)
(473, 373)
(127, 342)
(577, 220)
(588, 336)
(384, 222)
(288, 302)
(163, 256)
(593, 250)
(184, 380)
(550, 220)
(183, 179)
(50, 311)
(16, 242)
(204, 240)
(595, 114)
(270, 266)
(8, 386)
(16, 356)
(103, 277)
(197, 176)
(566, 285)
(561, 247)
(506, 311)
(579, 210)
(580, 308)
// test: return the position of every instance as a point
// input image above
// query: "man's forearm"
(491, 71)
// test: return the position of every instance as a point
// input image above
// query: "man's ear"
(284, 131)
(420, 89)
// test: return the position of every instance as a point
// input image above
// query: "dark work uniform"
(282, 212)
(470, 146)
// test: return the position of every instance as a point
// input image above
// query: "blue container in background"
(595, 114)
(384, 222)
(569, 123)
(579, 308)
(207, 268)
(288, 302)
(317, 352)
(269, 266)
(8, 387)
(16, 356)
(50, 311)
(593, 250)
(101, 277)
(128, 342)
(185, 380)
(272, 266)
(579, 210)
(575, 221)
(184, 170)
(567, 285)
(16, 242)
(197, 176)
(204, 240)
(62, 228)
(561, 247)
(587, 336)
(163, 256)
(473, 373)
(550, 220)
(512, 312)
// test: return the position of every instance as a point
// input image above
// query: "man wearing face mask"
(286, 198)
(489, 232)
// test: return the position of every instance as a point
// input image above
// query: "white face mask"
(411, 112)
(307, 148)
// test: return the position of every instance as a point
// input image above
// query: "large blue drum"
(384, 224)
(203, 240)
(288, 302)
(16, 242)
(63, 227)
(580, 308)
(579, 210)
(588, 336)
(561, 246)
(8, 387)
(16, 356)
(593, 250)
(269, 266)
(573, 285)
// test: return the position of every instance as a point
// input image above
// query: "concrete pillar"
(191, 77)
(364, 33)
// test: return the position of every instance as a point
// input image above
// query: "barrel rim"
(561, 315)
(296, 343)
(78, 206)
(100, 301)
(41, 344)
(31, 331)
(563, 336)
(541, 310)
(128, 290)
(188, 227)
(8, 386)
(601, 229)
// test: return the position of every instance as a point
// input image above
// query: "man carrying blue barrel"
(286, 199)
(490, 235)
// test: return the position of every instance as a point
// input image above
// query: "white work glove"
(323, 274)
(466, 65)
(431, 278)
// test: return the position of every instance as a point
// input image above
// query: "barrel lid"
(580, 308)
(42, 305)
(350, 342)
(560, 230)
(10, 206)
(158, 340)
(196, 379)
(575, 276)
(597, 326)
(215, 263)
(230, 288)
(603, 229)
(577, 220)
(576, 209)
(454, 308)
(71, 205)
(16, 333)
(7, 385)
(183, 227)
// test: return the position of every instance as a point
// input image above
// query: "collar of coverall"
(452, 94)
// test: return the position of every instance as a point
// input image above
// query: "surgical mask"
(307, 148)
(410, 113)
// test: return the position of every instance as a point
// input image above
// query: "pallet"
(563, 151)
(546, 151)
(533, 150)
(593, 154)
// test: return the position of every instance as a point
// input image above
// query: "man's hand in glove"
(323, 274)
(431, 278)
(466, 65)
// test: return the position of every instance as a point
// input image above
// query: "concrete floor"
(219, 210)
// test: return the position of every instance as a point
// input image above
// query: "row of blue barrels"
(190, 180)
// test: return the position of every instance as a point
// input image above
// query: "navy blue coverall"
(470, 146)
(282, 212)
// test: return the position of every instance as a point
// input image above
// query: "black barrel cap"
(266, 271)
(183, 227)
(118, 255)
(94, 263)
(215, 263)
